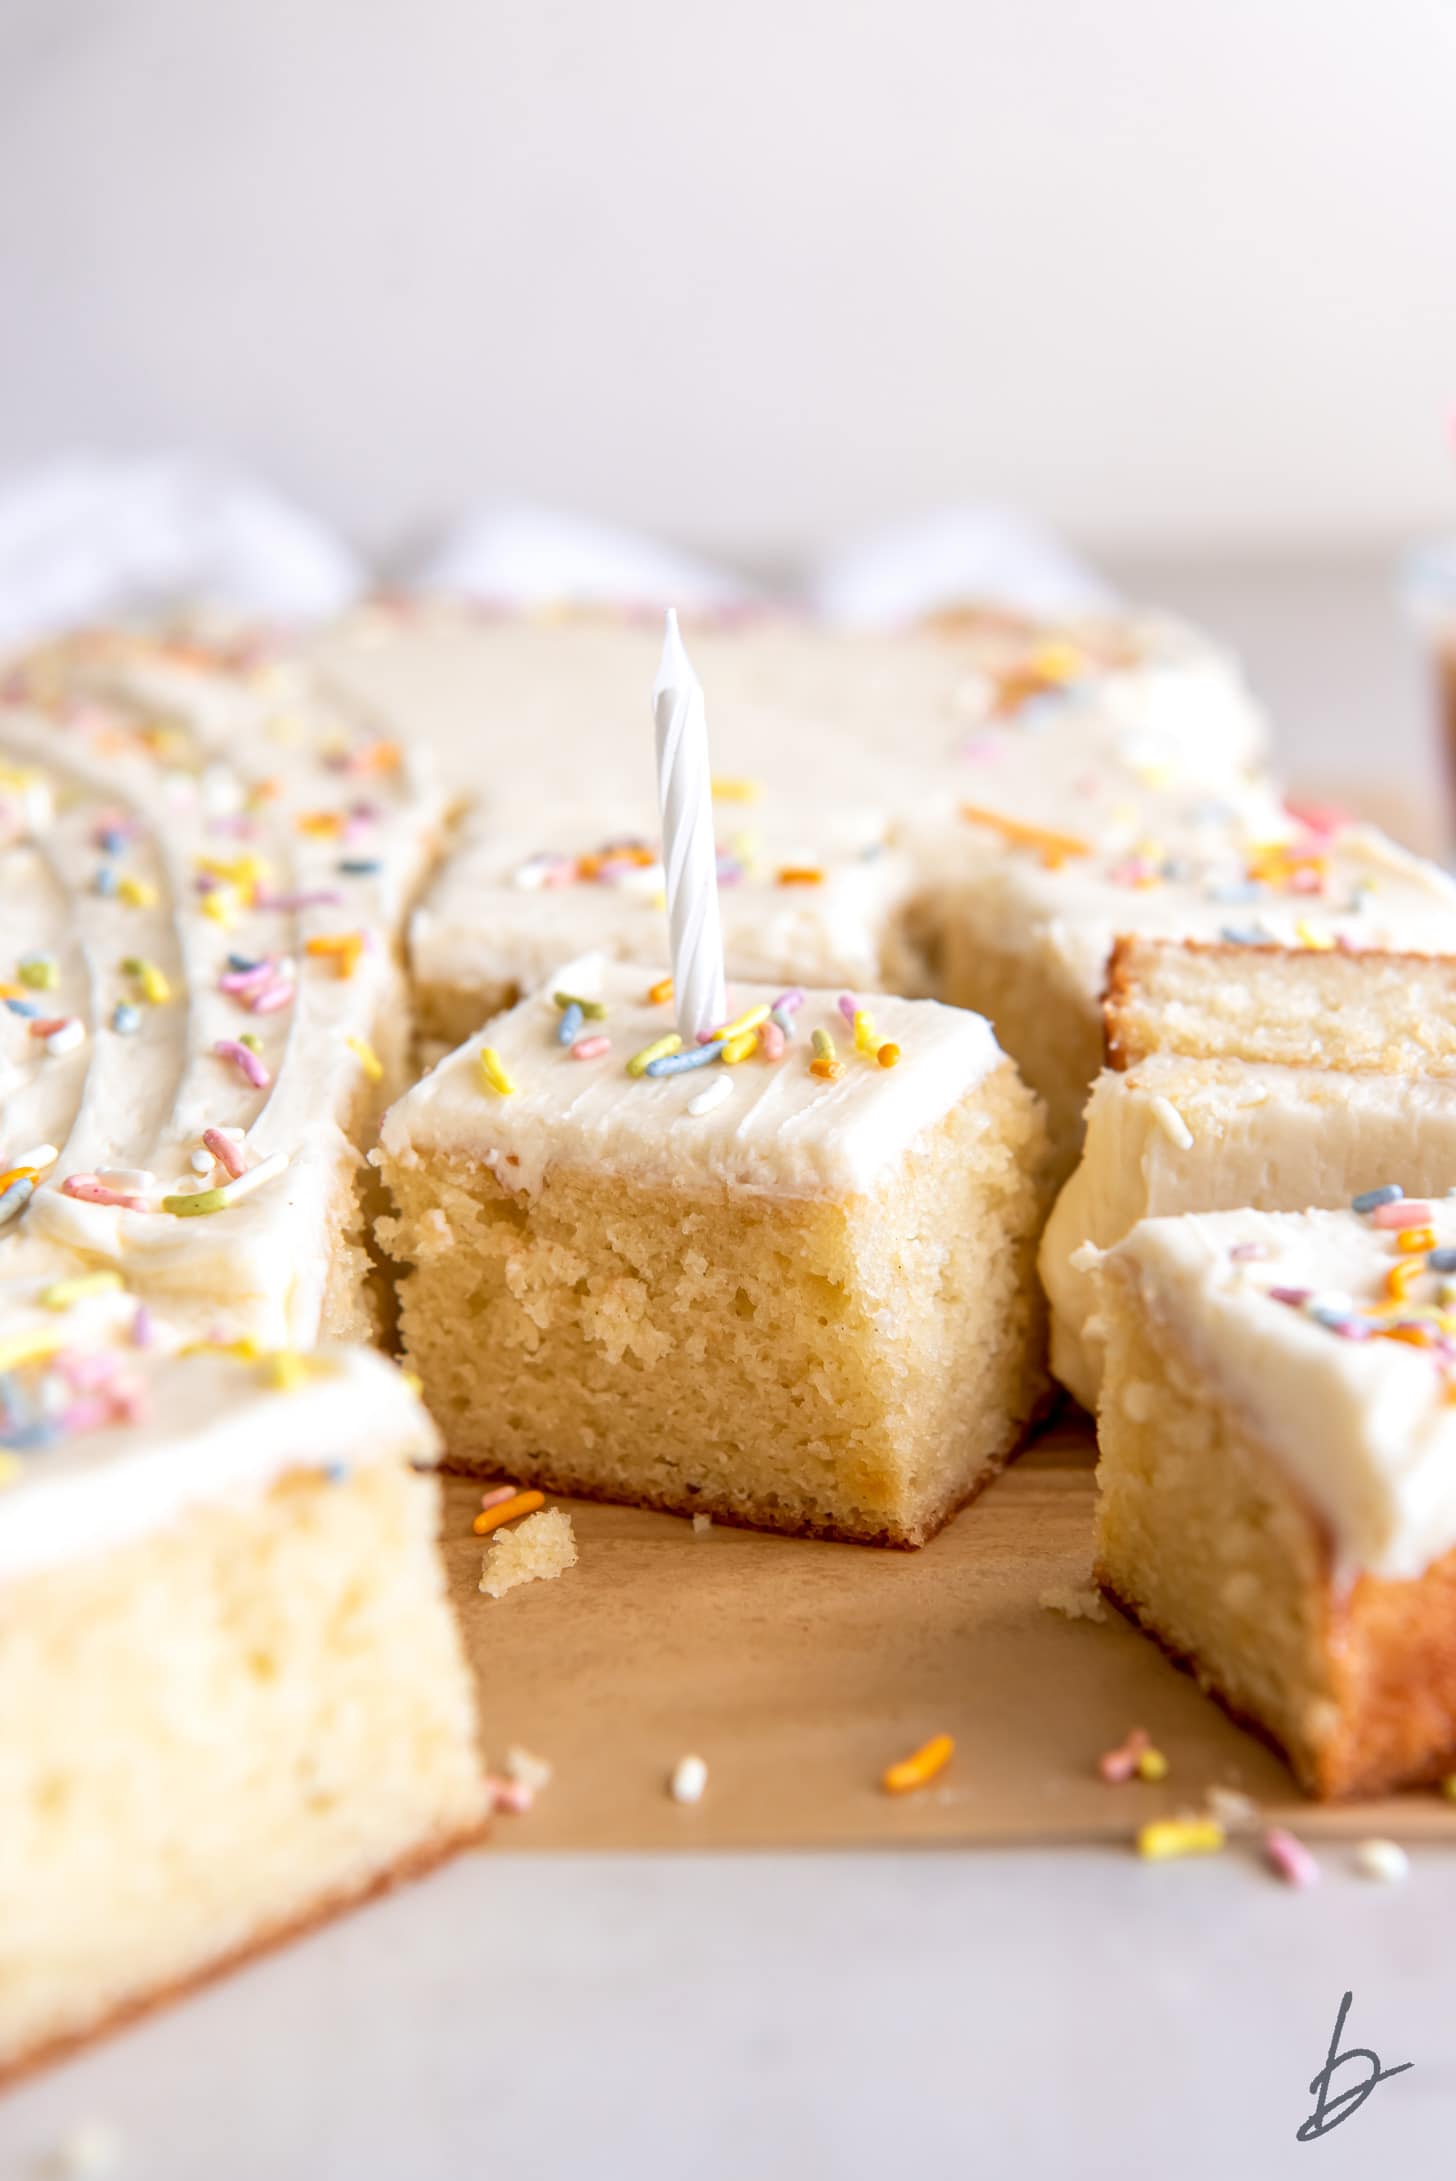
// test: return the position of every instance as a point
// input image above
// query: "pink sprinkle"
(225, 1151)
(88, 1372)
(88, 1190)
(498, 1495)
(846, 1006)
(789, 1003)
(143, 1332)
(591, 1048)
(248, 980)
(324, 898)
(1290, 1858)
(49, 1025)
(513, 1796)
(273, 997)
(1400, 1215)
(771, 1041)
(249, 1064)
(87, 1415)
(1246, 1253)
(1324, 818)
(1118, 1765)
(1296, 1297)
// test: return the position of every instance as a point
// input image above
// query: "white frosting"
(1274, 1138)
(780, 1129)
(172, 749)
(1364, 1428)
(209, 1428)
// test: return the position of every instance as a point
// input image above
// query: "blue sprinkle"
(1242, 890)
(784, 1020)
(336, 1472)
(22, 1007)
(244, 961)
(1370, 1200)
(15, 1199)
(112, 841)
(679, 1063)
(126, 1019)
(569, 1028)
(40, 1433)
(1244, 935)
(1441, 1260)
(360, 866)
(106, 881)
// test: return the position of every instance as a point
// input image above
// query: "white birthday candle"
(689, 854)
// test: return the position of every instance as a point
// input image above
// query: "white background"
(1177, 274)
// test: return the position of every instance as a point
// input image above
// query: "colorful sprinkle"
(848, 1007)
(39, 972)
(137, 893)
(771, 1039)
(125, 1019)
(591, 1048)
(91, 1189)
(697, 1056)
(738, 1048)
(495, 1072)
(507, 1510)
(659, 1049)
(62, 1293)
(342, 948)
(367, 1058)
(736, 790)
(225, 1150)
(570, 1024)
(800, 874)
(14, 1200)
(1399, 1214)
(888, 1055)
(789, 1003)
(244, 1060)
(660, 992)
(156, 991)
(918, 1770)
(1290, 1858)
(1370, 1200)
(593, 1010)
(1053, 848)
(195, 1205)
(66, 1037)
(1166, 1839)
(1116, 1766)
(1383, 1860)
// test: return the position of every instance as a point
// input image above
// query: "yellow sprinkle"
(367, 1058)
(658, 1050)
(494, 1069)
(1056, 661)
(748, 1020)
(1307, 936)
(220, 906)
(41, 976)
(524, 1503)
(1413, 1241)
(912, 1772)
(245, 1348)
(865, 1040)
(1152, 1765)
(10, 1469)
(823, 1045)
(155, 988)
(737, 791)
(888, 1055)
(285, 1370)
(1167, 1838)
(659, 992)
(62, 1293)
(137, 893)
(30, 1347)
(738, 1048)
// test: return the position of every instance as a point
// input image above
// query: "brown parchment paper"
(799, 1670)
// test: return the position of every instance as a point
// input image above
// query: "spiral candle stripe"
(689, 856)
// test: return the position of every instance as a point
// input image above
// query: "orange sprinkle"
(800, 874)
(828, 1071)
(18, 1173)
(660, 992)
(507, 1510)
(343, 948)
(322, 824)
(1402, 1277)
(1414, 1336)
(1055, 849)
(888, 1055)
(912, 1772)
(1413, 1240)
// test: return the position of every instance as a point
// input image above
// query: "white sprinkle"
(1172, 1123)
(701, 1525)
(720, 1088)
(1382, 1860)
(689, 1778)
(92, 2148)
(202, 1162)
(526, 1769)
(42, 1155)
(128, 1181)
(65, 1040)
(254, 1178)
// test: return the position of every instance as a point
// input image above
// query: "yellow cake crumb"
(541, 1547)
(1079, 1601)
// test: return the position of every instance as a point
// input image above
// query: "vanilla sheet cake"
(1261, 1076)
(202, 1006)
(784, 1279)
(1277, 1473)
(232, 1695)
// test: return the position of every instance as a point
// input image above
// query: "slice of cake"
(1271, 1077)
(803, 893)
(1277, 1476)
(232, 1695)
(782, 1278)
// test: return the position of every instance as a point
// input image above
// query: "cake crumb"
(527, 1769)
(689, 1779)
(1079, 1601)
(701, 1525)
(1383, 1860)
(1234, 1810)
(538, 1549)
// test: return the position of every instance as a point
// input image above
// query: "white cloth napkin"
(955, 555)
(515, 554)
(97, 537)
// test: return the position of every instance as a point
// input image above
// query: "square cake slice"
(1271, 1077)
(795, 1291)
(232, 1695)
(1277, 1474)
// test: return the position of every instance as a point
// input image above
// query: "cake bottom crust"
(416, 1862)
